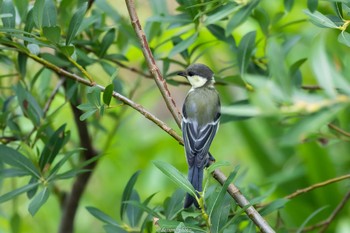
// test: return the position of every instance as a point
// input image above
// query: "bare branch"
(335, 212)
(318, 185)
(147, 53)
(339, 130)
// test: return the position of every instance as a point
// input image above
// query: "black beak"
(182, 73)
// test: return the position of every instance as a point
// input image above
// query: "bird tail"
(195, 176)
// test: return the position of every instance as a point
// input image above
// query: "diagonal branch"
(217, 174)
(147, 53)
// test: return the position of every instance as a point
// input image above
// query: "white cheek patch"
(196, 81)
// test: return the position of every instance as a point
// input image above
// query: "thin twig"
(147, 53)
(52, 96)
(318, 185)
(116, 95)
(339, 130)
(335, 212)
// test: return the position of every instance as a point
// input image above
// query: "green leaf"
(22, 7)
(183, 45)
(107, 41)
(38, 11)
(278, 68)
(240, 16)
(309, 124)
(38, 201)
(316, 212)
(142, 207)
(15, 223)
(127, 193)
(218, 164)
(219, 33)
(49, 14)
(322, 69)
(273, 206)
(102, 216)
(174, 175)
(87, 114)
(22, 64)
(75, 23)
(8, 8)
(67, 50)
(52, 33)
(173, 205)
(344, 38)
(16, 192)
(245, 50)
(320, 20)
(16, 159)
(312, 5)
(108, 93)
(214, 212)
(52, 147)
(288, 4)
(221, 13)
(114, 229)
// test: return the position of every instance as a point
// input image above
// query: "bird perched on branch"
(200, 122)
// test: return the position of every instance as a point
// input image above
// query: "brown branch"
(335, 212)
(339, 130)
(318, 185)
(116, 95)
(52, 96)
(147, 53)
(217, 174)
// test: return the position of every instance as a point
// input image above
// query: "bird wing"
(198, 140)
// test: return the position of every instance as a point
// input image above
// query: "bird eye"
(190, 73)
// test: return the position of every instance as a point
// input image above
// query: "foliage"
(282, 73)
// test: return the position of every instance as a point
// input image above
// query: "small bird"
(200, 122)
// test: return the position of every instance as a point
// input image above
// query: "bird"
(200, 122)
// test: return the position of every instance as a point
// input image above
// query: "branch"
(217, 174)
(147, 53)
(116, 95)
(335, 212)
(318, 185)
(339, 130)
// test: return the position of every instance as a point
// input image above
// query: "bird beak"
(182, 73)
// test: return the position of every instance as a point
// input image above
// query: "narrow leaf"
(183, 45)
(52, 33)
(38, 201)
(221, 13)
(16, 192)
(240, 16)
(174, 175)
(38, 11)
(127, 193)
(312, 5)
(49, 14)
(8, 8)
(107, 41)
(245, 50)
(16, 159)
(107, 94)
(320, 20)
(102, 216)
(323, 70)
(75, 23)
